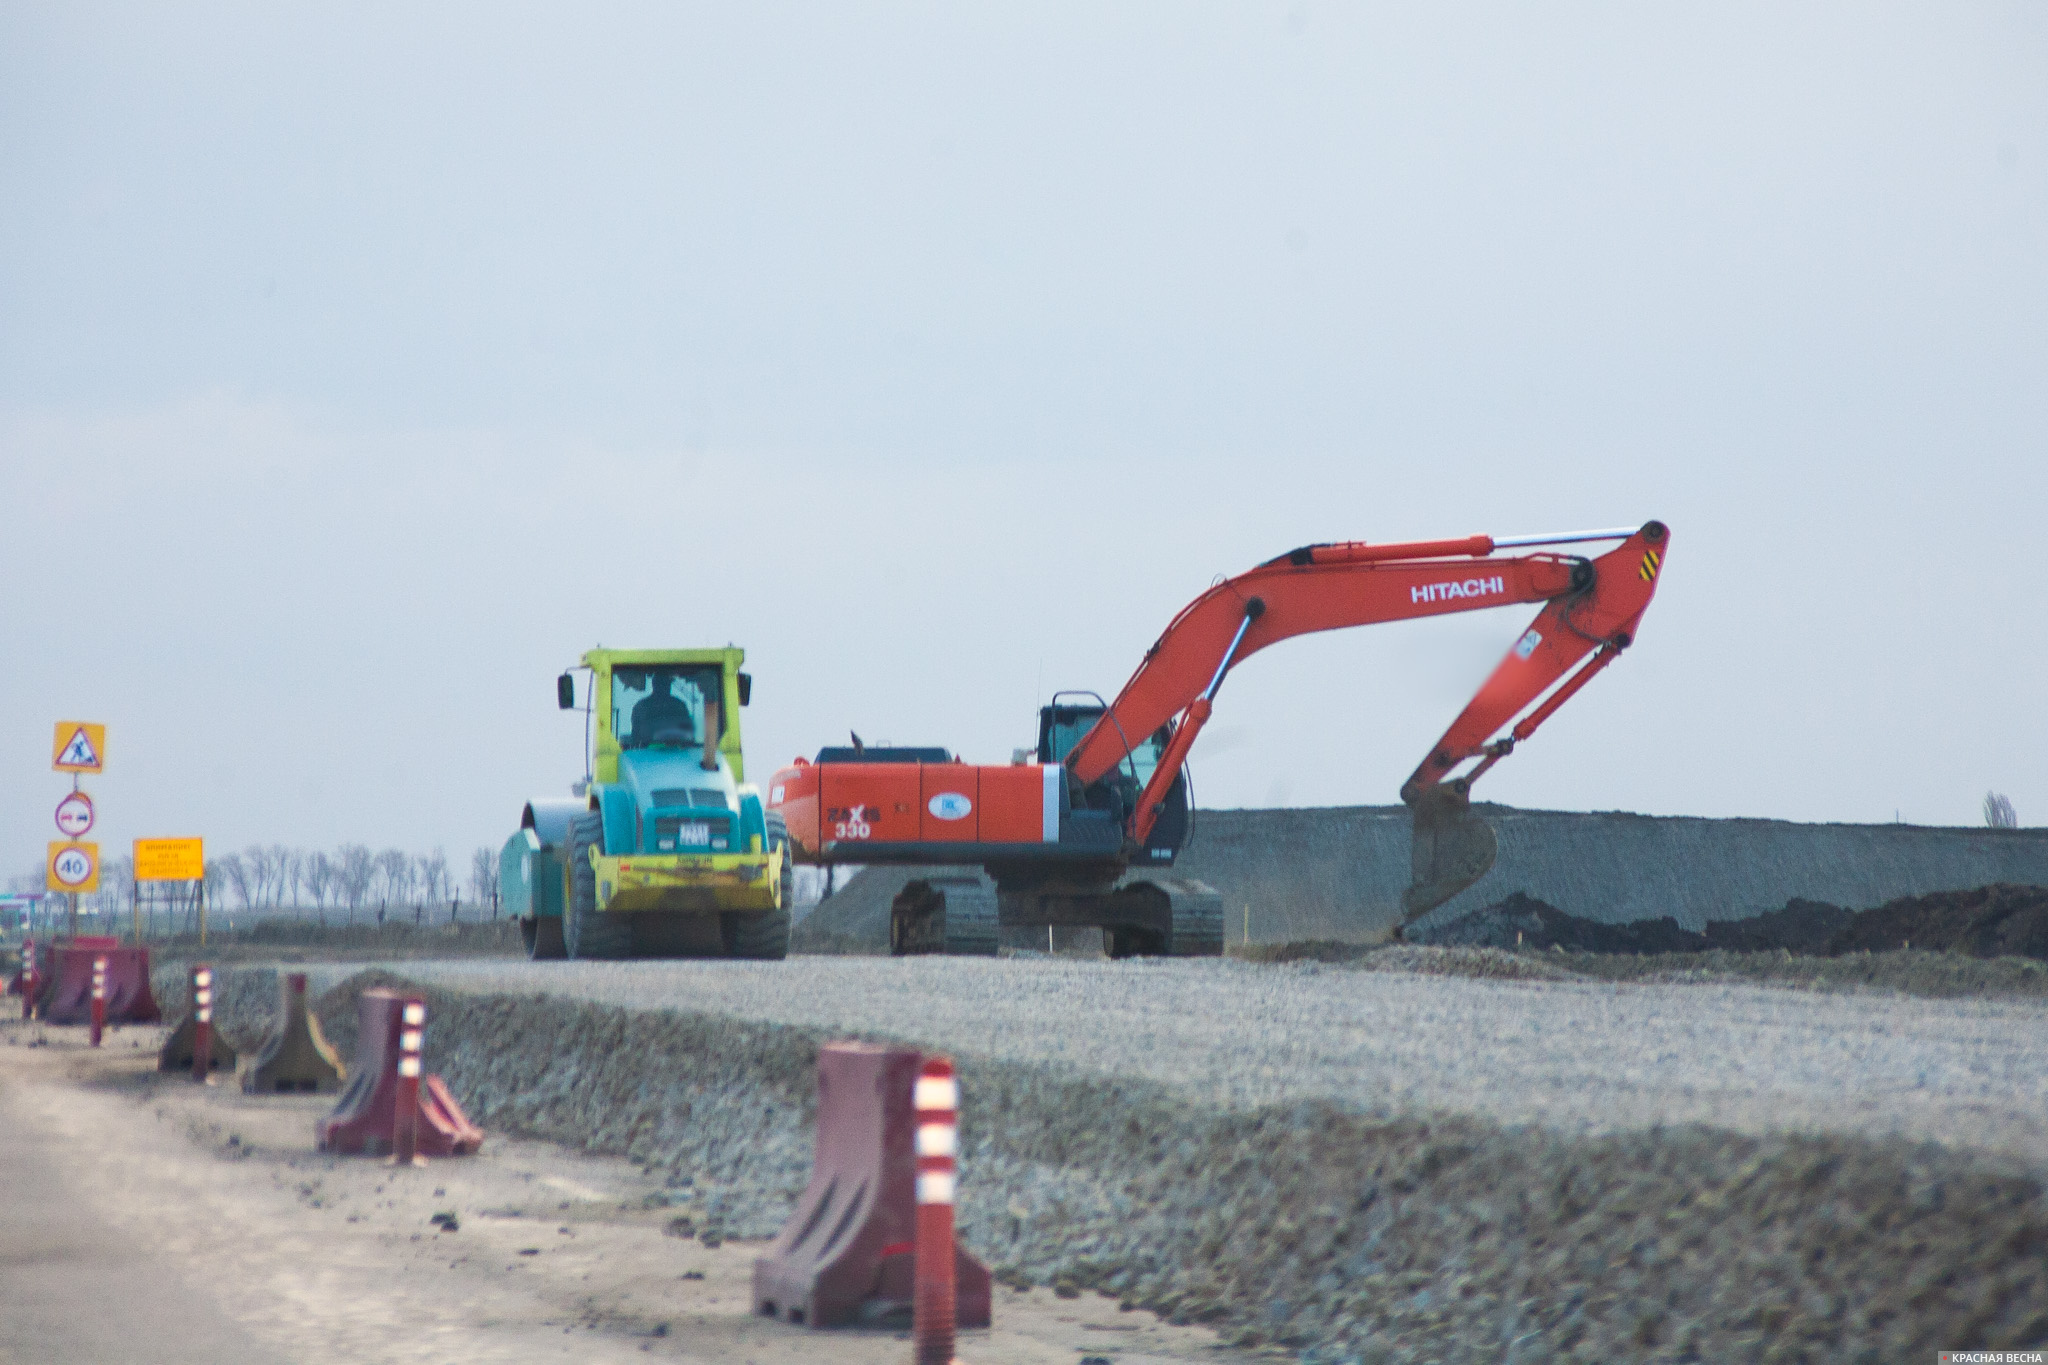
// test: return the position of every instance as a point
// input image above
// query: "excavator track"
(1146, 917)
(951, 915)
(1189, 912)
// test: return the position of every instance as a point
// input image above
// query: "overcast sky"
(361, 365)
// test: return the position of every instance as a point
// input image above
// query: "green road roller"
(663, 850)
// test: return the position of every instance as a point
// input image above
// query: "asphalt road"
(1581, 1057)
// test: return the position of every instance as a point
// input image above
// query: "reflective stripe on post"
(933, 1311)
(99, 999)
(405, 1110)
(202, 1022)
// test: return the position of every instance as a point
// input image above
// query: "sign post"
(80, 746)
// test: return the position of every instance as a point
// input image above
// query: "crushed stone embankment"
(1307, 1223)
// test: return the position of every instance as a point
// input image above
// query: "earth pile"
(1991, 921)
(1987, 922)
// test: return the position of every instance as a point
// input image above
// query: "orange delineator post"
(99, 999)
(405, 1115)
(202, 1022)
(937, 1102)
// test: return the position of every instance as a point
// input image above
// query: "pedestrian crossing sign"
(81, 747)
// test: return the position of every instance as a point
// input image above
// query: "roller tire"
(764, 934)
(586, 931)
(542, 935)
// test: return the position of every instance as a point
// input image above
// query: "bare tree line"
(347, 882)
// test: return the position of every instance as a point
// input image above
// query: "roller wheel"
(542, 936)
(586, 932)
(764, 934)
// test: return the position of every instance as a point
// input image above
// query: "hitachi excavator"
(1078, 836)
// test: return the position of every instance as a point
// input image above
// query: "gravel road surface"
(1574, 1057)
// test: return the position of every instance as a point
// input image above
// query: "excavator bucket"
(1451, 848)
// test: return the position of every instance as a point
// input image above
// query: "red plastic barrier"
(65, 995)
(363, 1119)
(195, 1045)
(847, 1254)
(297, 1056)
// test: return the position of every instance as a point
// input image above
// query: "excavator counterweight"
(1074, 837)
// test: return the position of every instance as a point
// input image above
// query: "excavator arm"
(1592, 608)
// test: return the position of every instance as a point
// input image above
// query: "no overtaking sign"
(74, 815)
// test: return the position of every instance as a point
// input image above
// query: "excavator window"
(1060, 728)
(662, 705)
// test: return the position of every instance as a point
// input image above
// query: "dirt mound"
(1522, 921)
(1802, 927)
(1992, 921)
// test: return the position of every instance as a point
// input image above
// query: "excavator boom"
(1591, 612)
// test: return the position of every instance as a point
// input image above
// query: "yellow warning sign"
(73, 867)
(170, 860)
(81, 747)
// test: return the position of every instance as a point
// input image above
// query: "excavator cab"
(1060, 728)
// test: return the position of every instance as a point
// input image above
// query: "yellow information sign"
(73, 867)
(81, 747)
(170, 860)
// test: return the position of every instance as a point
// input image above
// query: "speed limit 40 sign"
(73, 867)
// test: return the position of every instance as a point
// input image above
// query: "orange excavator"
(1078, 833)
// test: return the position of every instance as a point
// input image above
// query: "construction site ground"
(145, 1218)
(1457, 1154)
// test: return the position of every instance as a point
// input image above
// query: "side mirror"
(565, 692)
(746, 688)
